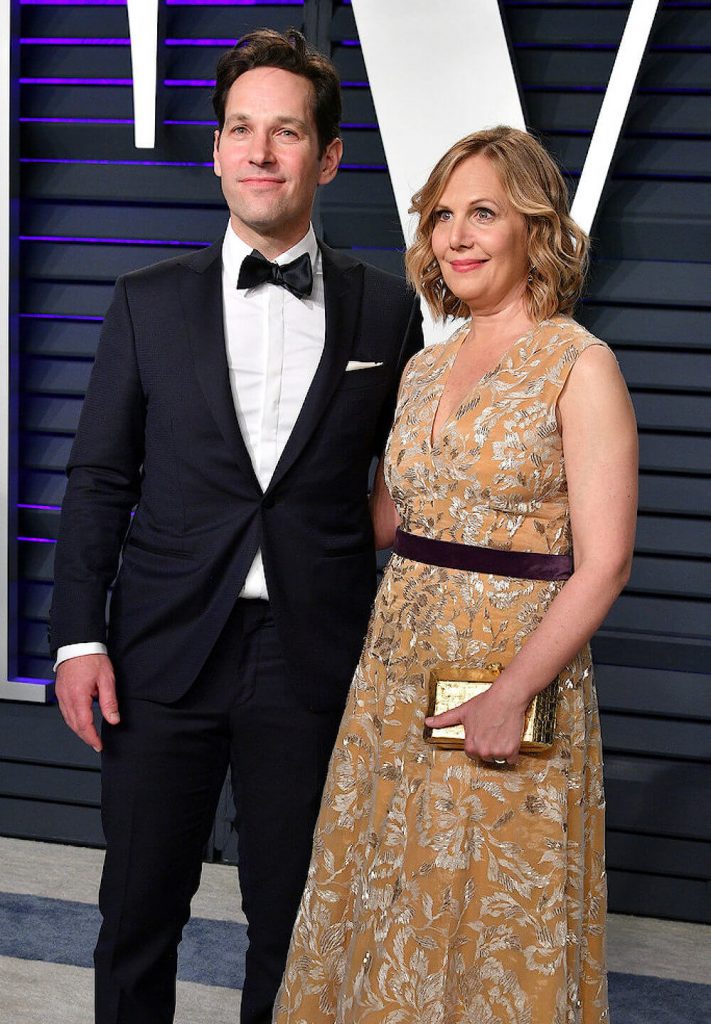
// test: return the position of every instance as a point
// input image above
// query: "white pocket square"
(355, 364)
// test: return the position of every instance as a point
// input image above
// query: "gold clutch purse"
(450, 686)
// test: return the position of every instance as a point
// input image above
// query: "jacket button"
(268, 502)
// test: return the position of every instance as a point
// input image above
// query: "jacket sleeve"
(104, 482)
(412, 342)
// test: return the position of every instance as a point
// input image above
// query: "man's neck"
(270, 246)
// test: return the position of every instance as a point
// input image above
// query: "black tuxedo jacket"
(158, 433)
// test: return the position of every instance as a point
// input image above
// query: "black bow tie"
(296, 277)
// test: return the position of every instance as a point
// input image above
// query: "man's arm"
(103, 486)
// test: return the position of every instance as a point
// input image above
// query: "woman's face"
(479, 240)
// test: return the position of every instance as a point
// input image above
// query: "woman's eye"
(442, 215)
(484, 214)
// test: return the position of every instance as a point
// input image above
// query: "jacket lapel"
(201, 301)
(343, 288)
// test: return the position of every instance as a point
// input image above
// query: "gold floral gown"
(444, 890)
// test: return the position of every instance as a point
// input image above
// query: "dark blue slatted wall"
(93, 208)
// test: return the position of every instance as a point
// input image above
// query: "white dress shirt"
(274, 343)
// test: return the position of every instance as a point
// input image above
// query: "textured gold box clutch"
(451, 685)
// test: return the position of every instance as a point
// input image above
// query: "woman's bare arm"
(600, 450)
(383, 511)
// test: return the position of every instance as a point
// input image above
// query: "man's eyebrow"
(277, 119)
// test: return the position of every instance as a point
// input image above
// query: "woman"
(452, 886)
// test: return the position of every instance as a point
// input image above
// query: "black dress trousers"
(162, 773)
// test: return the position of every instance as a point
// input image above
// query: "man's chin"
(264, 222)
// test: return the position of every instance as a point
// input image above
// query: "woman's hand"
(493, 724)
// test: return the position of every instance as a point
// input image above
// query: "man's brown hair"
(267, 48)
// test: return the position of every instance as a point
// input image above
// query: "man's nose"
(261, 151)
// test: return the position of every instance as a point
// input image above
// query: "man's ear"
(329, 161)
(216, 154)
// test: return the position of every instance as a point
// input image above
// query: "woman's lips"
(463, 266)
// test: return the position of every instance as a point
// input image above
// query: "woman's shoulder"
(563, 332)
(559, 343)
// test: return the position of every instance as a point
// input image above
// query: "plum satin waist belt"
(524, 565)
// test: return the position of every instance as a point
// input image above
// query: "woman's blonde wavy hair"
(557, 247)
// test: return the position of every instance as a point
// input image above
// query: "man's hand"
(79, 680)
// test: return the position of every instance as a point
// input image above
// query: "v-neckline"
(434, 439)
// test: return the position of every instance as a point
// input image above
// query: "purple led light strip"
(76, 81)
(76, 120)
(175, 3)
(115, 163)
(41, 508)
(109, 241)
(73, 41)
(72, 3)
(235, 3)
(37, 540)
(200, 42)
(170, 83)
(62, 316)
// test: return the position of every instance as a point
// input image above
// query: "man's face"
(267, 157)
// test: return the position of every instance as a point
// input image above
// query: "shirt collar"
(234, 251)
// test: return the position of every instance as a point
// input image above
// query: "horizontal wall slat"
(40, 782)
(60, 338)
(650, 736)
(653, 895)
(658, 855)
(682, 653)
(673, 411)
(640, 691)
(57, 376)
(39, 488)
(66, 299)
(653, 326)
(665, 453)
(37, 735)
(649, 614)
(667, 371)
(45, 451)
(102, 262)
(682, 577)
(658, 797)
(59, 415)
(673, 534)
(34, 600)
(103, 220)
(654, 282)
(54, 822)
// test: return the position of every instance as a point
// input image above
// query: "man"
(236, 404)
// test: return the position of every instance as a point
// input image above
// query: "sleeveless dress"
(444, 890)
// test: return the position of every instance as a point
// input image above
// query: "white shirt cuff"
(76, 651)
